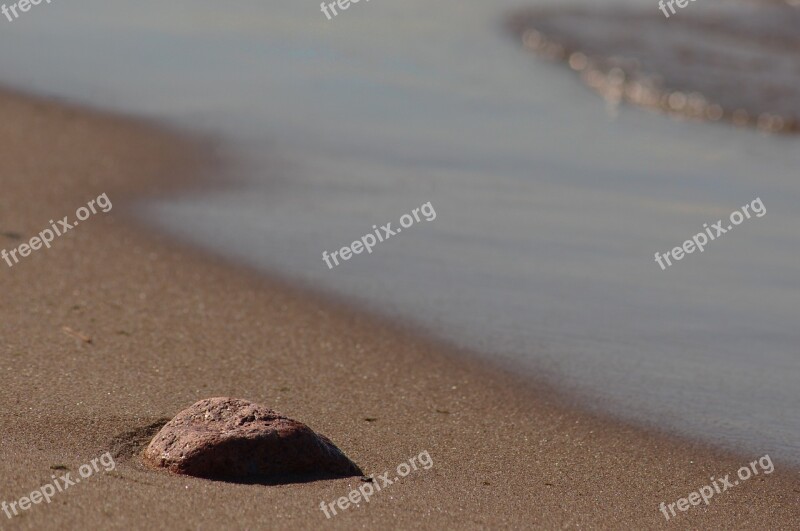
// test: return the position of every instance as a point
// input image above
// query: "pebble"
(236, 440)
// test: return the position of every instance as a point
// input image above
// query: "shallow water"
(550, 205)
(732, 62)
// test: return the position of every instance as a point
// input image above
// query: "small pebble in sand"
(237, 440)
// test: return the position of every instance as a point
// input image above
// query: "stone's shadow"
(131, 443)
(284, 479)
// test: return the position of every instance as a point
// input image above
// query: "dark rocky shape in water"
(236, 440)
(733, 62)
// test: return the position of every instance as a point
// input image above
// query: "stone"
(236, 440)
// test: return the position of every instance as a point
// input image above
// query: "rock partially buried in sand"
(236, 440)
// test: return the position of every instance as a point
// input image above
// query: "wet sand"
(169, 325)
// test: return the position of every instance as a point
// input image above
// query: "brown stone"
(237, 440)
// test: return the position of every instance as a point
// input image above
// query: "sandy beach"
(115, 329)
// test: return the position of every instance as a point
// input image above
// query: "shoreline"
(171, 324)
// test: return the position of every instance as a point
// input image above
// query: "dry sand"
(170, 325)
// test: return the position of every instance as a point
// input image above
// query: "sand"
(171, 325)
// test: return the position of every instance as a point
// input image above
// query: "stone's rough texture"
(232, 439)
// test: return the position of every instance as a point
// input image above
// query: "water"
(550, 207)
